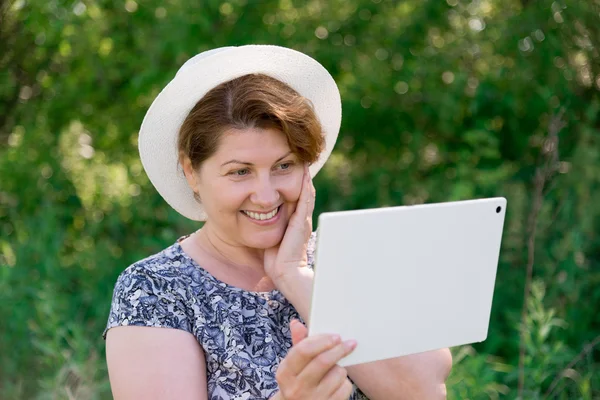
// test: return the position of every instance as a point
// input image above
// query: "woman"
(230, 141)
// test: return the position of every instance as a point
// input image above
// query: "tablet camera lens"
(498, 209)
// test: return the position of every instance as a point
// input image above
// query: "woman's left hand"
(285, 259)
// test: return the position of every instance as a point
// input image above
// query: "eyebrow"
(250, 164)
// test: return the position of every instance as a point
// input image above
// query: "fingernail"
(350, 344)
(335, 339)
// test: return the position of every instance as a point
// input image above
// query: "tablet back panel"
(403, 280)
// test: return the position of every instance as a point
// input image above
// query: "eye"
(286, 165)
(240, 172)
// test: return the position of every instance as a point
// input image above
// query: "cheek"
(226, 197)
(291, 188)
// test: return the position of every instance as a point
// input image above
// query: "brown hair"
(251, 101)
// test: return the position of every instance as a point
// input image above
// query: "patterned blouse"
(244, 335)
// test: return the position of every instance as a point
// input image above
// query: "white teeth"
(262, 217)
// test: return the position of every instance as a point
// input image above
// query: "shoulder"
(157, 271)
(153, 292)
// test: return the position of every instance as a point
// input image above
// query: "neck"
(234, 254)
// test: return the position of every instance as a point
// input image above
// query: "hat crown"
(201, 56)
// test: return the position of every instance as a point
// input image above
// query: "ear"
(188, 170)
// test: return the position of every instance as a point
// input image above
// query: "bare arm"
(155, 363)
(416, 376)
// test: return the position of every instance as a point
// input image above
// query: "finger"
(343, 392)
(304, 209)
(298, 330)
(332, 380)
(304, 352)
(310, 188)
(321, 364)
(313, 195)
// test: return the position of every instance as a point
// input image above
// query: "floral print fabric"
(244, 335)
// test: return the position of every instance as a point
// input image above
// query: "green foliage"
(442, 101)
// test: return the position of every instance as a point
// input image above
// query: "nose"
(265, 194)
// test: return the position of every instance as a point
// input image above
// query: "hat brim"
(160, 128)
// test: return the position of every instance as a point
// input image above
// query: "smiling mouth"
(262, 216)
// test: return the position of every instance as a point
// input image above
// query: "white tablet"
(404, 280)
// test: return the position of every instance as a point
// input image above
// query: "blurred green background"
(443, 100)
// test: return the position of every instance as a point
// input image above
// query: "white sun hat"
(160, 129)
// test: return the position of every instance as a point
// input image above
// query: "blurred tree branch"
(525, 3)
(543, 174)
(18, 64)
(11, 30)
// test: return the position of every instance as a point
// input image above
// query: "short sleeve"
(144, 297)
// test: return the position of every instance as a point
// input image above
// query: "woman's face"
(249, 188)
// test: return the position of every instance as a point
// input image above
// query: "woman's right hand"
(309, 370)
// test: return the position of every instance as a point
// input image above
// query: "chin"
(264, 240)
